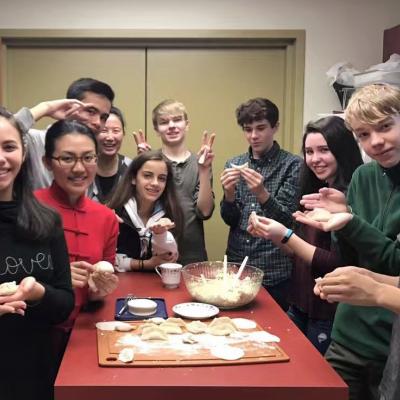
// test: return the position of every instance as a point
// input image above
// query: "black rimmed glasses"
(69, 161)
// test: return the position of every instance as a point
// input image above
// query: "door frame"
(292, 41)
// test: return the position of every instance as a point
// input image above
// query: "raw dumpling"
(126, 355)
(243, 166)
(170, 327)
(148, 325)
(222, 320)
(223, 329)
(8, 288)
(153, 333)
(221, 326)
(189, 339)
(178, 321)
(319, 215)
(156, 320)
(196, 327)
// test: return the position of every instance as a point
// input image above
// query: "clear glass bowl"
(205, 282)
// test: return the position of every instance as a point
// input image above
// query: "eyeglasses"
(70, 161)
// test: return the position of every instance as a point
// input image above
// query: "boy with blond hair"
(361, 335)
(192, 175)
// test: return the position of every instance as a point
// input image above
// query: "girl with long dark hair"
(331, 155)
(144, 199)
(33, 255)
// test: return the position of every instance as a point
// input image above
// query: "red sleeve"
(110, 239)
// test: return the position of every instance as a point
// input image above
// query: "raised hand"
(104, 283)
(28, 290)
(255, 183)
(229, 178)
(163, 258)
(205, 154)
(336, 221)
(57, 109)
(331, 199)
(162, 225)
(80, 271)
(140, 139)
(12, 307)
(350, 285)
(266, 228)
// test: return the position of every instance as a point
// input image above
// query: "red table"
(307, 376)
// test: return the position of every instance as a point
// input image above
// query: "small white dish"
(142, 307)
(195, 310)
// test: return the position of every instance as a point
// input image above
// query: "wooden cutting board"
(158, 353)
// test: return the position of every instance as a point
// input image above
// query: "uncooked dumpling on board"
(169, 327)
(222, 320)
(153, 333)
(178, 321)
(156, 320)
(221, 326)
(223, 329)
(196, 327)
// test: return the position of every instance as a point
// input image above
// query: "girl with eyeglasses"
(90, 228)
(34, 256)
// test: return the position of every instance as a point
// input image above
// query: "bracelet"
(141, 265)
(287, 236)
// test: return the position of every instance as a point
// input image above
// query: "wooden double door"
(210, 81)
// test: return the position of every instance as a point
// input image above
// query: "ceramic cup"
(170, 274)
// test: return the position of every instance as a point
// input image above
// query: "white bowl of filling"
(207, 283)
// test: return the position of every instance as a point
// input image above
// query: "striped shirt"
(281, 179)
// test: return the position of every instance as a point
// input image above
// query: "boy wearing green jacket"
(361, 335)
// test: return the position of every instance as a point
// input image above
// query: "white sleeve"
(163, 243)
(122, 262)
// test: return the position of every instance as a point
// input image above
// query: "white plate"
(195, 310)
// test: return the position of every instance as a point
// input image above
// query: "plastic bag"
(342, 73)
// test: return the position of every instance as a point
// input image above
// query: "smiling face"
(110, 137)
(319, 158)
(11, 158)
(75, 178)
(96, 113)
(260, 136)
(380, 141)
(172, 128)
(150, 181)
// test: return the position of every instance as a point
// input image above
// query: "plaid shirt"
(281, 172)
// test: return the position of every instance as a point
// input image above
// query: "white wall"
(336, 30)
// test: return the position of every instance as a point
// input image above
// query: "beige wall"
(336, 30)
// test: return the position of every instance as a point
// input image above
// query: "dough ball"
(104, 266)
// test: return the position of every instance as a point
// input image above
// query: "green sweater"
(370, 240)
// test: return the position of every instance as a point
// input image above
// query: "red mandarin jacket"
(91, 232)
